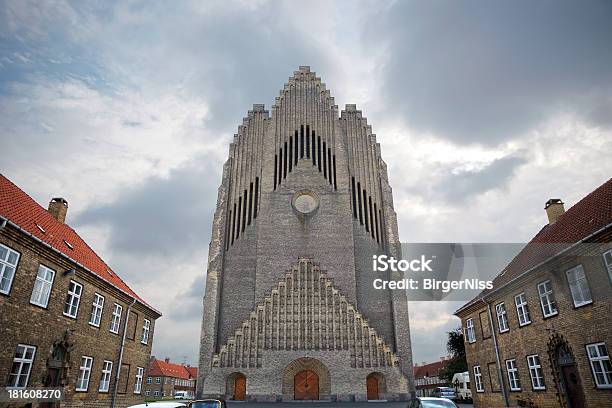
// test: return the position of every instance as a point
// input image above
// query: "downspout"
(125, 327)
(500, 372)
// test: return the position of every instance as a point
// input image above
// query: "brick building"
(427, 377)
(542, 336)
(66, 318)
(164, 379)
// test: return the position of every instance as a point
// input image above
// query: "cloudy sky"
(484, 111)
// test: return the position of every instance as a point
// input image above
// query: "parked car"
(431, 402)
(160, 404)
(181, 395)
(461, 382)
(208, 403)
(444, 392)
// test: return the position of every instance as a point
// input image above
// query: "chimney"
(58, 207)
(554, 209)
(167, 359)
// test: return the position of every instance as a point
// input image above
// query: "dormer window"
(68, 244)
(40, 228)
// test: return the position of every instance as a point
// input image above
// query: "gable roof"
(162, 368)
(25, 213)
(587, 217)
(429, 370)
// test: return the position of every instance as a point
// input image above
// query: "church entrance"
(566, 373)
(372, 387)
(239, 387)
(306, 385)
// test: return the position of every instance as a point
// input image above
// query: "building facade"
(427, 377)
(66, 319)
(166, 379)
(290, 311)
(542, 336)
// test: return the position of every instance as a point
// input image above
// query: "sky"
(484, 110)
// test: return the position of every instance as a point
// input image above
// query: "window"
(600, 364)
(158, 380)
(547, 299)
(8, 263)
(470, 333)
(502, 318)
(107, 368)
(22, 365)
(157, 393)
(147, 393)
(535, 372)
(478, 379)
(42, 286)
(84, 373)
(522, 309)
(138, 383)
(146, 327)
(149, 380)
(607, 256)
(116, 319)
(71, 307)
(579, 286)
(513, 378)
(96, 310)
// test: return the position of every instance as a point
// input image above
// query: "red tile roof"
(21, 209)
(586, 217)
(429, 370)
(162, 368)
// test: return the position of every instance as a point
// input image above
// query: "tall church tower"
(290, 311)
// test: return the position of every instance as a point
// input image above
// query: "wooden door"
(572, 386)
(239, 388)
(306, 385)
(372, 387)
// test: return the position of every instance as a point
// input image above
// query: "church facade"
(290, 311)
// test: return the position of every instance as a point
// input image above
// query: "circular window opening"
(305, 202)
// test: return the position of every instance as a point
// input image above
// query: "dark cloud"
(482, 72)
(162, 217)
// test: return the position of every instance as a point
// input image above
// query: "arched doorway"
(375, 386)
(567, 378)
(306, 385)
(236, 386)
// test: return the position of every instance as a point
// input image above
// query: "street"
(319, 404)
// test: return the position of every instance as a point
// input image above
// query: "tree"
(456, 349)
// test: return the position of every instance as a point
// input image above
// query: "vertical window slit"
(307, 141)
(314, 160)
(359, 199)
(354, 198)
(319, 151)
(376, 223)
(382, 231)
(324, 160)
(275, 169)
(301, 141)
(250, 215)
(256, 206)
(295, 149)
(244, 208)
(238, 214)
(285, 161)
(329, 166)
(228, 238)
(290, 154)
(234, 224)
(365, 211)
(335, 181)
(371, 219)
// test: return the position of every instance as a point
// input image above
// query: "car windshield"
(206, 404)
(437, 404)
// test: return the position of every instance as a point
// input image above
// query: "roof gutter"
(125, 327)
(6, 221)
(538, 265)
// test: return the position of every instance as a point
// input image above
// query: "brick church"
(290, 312)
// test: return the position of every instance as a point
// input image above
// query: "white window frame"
(25, 366)
(547, 299)
(73, 299)
(138, 383)
(7, 268)
(513, 378)
(470, 332)
(147, 393)
(535, 372)
(146, 328)
(502, 316)
(598, 360)
(607, 257)
(116, 319)
(82, 383)
(107, 369)
(97, 307)
(43, 286)
(522, 309)
(579, 286)
(156, 393)
(149, 380)
(478, 379)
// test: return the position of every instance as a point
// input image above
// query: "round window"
(305, 202)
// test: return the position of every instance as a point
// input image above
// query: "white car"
(431, 402)
(160, 404)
